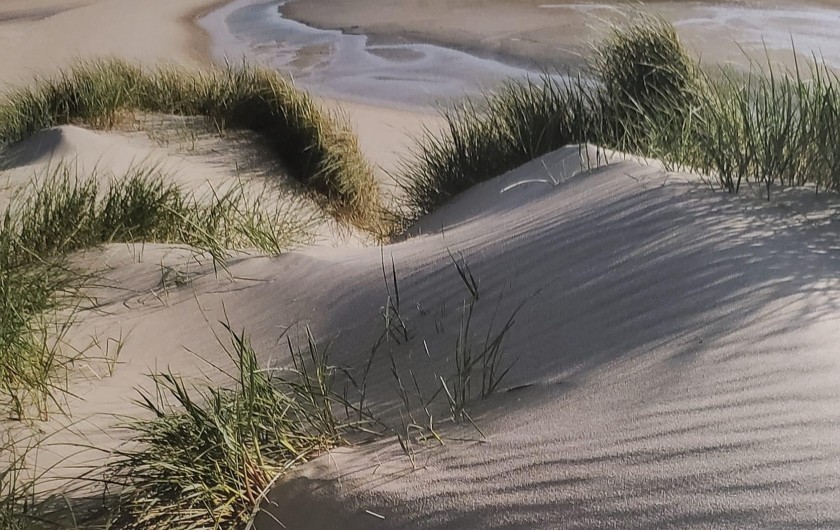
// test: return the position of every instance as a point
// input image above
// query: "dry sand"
(677, 352)
(61, 32)
(677, 355)
(37, 36)
(679, 361)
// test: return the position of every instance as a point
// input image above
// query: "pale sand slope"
(682, 355)
(40, 35)
(106, 154)
(189, 153)
(182, 151)
(679, 347)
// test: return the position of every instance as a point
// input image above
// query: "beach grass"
(63, 214)
(482, 139)
(209, 455)
(208, 451)
(643, 94)
(22, 505)
(317, 147)
(30, 361)
(647, 83)
(14, 489)
(639, 83)
(771, 128)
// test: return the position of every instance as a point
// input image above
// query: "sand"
(151, 33)
(675, 357)
(558, 34)
(677, 368)
(38, 36)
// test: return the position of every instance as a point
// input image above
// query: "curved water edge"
(775, 32)
(415, 75)
(351, 67)
(734, 33)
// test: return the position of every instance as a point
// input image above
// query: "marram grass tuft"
(63, 214)
(642, 94)
(317, 147)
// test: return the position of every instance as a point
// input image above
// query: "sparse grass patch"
(479, 366)
(210, 455)
(22, 506)
(64, 214)
(15, 492)
(318, 148)
(769, 127)
(210, 450)
(519, 122)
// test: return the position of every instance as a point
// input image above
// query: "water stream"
(352, 67)
(347, 66)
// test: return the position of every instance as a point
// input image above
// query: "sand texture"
(38, 36)
(674, 349)
(677, 364)
(676, 354)
(559, 34)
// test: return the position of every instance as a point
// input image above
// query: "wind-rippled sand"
(678, 352)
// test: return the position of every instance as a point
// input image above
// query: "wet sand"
(418, 54)
(349, 66)
(558, 33)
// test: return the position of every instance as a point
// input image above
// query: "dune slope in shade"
(682, 359)
(678, 354)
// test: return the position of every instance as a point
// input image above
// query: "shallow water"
(740, 34)
(811, 31)
(350, 66)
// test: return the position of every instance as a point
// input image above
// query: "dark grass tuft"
(648, 84)
(209, 455)
(645, 95)
(317, 147)
(519, 122)
(64, 214)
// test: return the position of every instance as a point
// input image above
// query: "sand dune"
(104, 153)
(677, 354)
(680, 362)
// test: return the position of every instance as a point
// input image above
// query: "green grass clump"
(648, 86)
(210, 455)
(642, 88)
(29, 359)
(64, 214)
(318, 148)
(518, 123)
(644, 95)
(769, 127)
